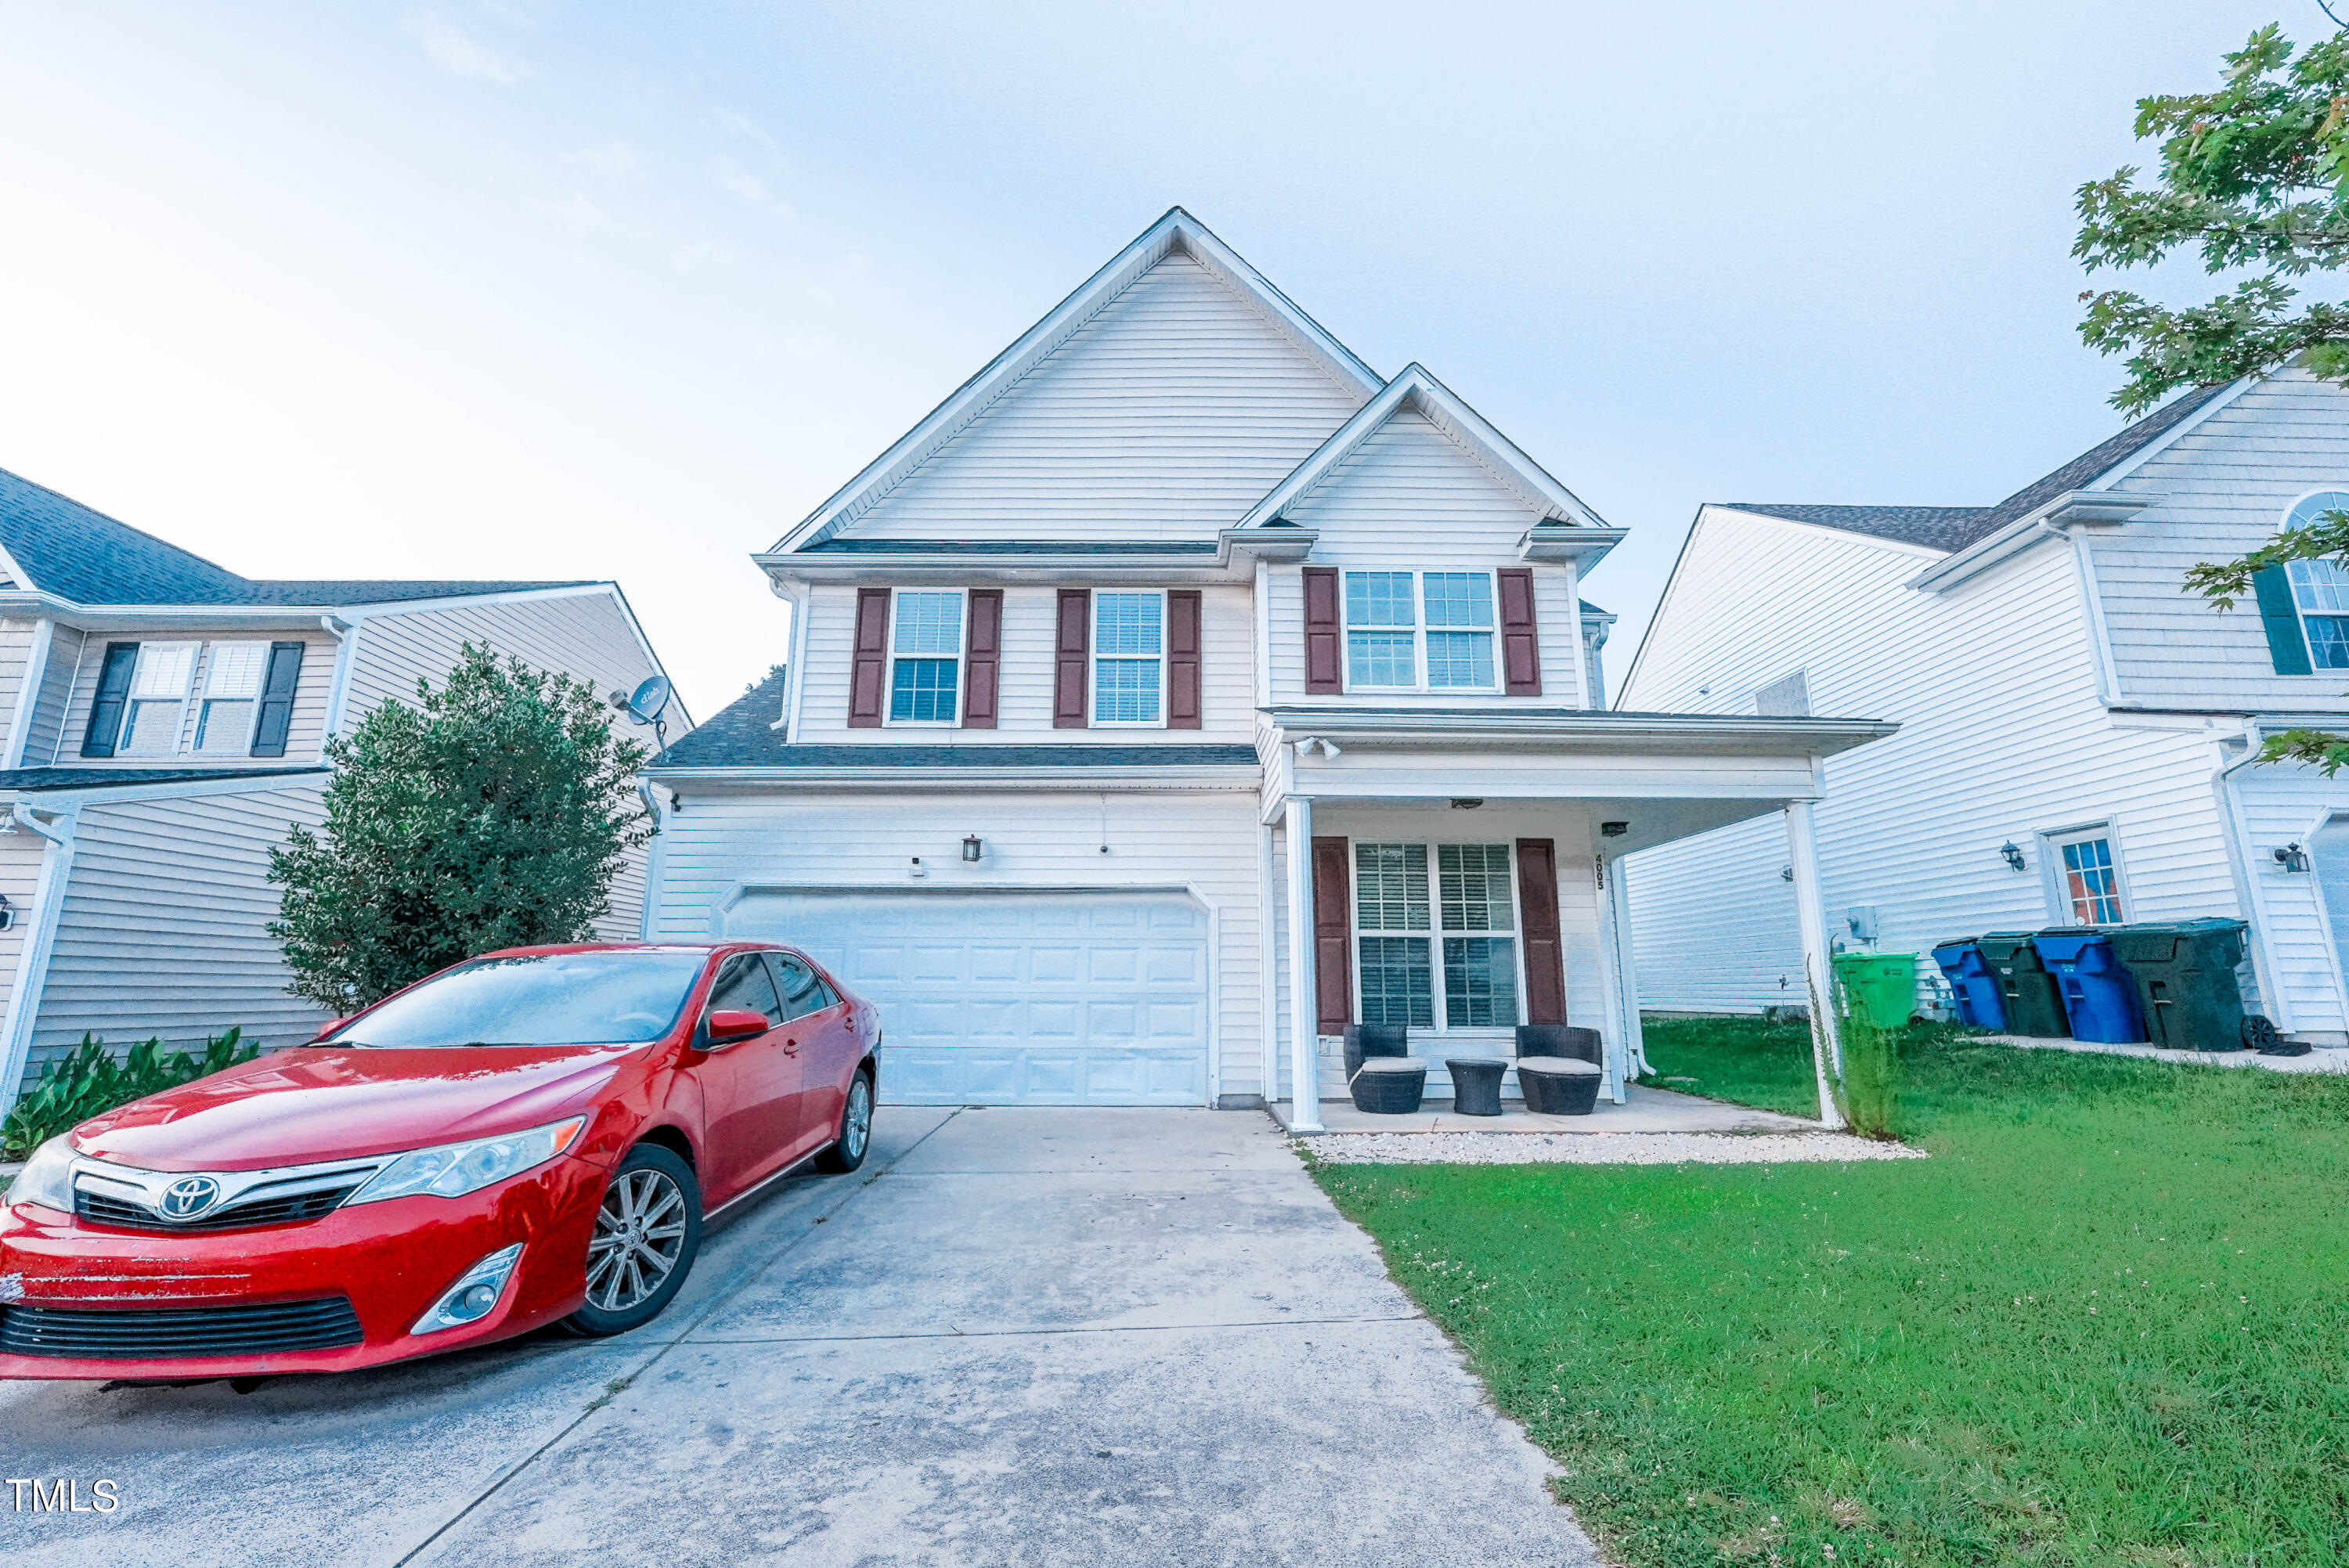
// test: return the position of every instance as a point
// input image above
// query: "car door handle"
(790, 1045)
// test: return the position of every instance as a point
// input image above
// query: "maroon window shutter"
(869, 670)
(1069, 658)
(1333, 933)
(1538, 924)
(1520, 642)
(982, 653)
(1183, 658)
(1322, 636)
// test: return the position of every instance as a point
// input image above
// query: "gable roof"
(67, 550)
(1177, 232)
(1416, 389)
(1955, 527)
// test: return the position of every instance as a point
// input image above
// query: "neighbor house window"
(1129, 657)
(925, 663)
(2320, 592)
(232, 677)
(1453, 932)
(159, 697)
(1418, 630)
(2091, 887)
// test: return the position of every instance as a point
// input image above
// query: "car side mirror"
(330, 1025)
(724, 1026)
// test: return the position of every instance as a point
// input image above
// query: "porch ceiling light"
(973, 846)
(2013, 856)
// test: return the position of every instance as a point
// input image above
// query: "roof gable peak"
(1175, 233)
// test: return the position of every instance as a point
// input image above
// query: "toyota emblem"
(189, 1196)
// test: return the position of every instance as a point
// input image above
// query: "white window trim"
(1434, 933)
(1419, 633)
(961, 662)
(130, 703)
(200, 689)
(1093, 657)
(2300, 616)
(2051, 862)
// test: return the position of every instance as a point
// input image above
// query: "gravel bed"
(1600, 1148)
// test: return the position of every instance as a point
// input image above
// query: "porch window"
(926, 646)
(1129, 657)
(1418, 630)
(159, 697)
(1454, 933)
(2091, 883)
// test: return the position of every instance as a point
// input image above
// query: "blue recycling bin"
(2099, 994)
(1971, 983)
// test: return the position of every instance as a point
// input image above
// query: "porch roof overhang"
(1229, 557)
(1574, 729)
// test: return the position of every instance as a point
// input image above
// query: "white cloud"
(749, 129)
(733, 178)
(694, 257)
(457, 52)
(612, 160)
(579, 215)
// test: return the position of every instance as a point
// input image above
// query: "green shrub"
(1869, 1092)
(79, 1085)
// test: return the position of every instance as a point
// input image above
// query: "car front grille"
(99, 1333)
(104, 1208)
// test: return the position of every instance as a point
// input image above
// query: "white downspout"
(1811, 915)
(28, 693)
(33, 958)
(650, 796)
(345, 636)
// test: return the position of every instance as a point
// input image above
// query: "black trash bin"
(2027, 993)
(2185, 975)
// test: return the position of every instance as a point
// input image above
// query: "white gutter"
(33, 956)
(344, 633)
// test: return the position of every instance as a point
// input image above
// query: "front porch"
(1642, 1110)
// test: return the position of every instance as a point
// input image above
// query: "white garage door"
(1015, 998)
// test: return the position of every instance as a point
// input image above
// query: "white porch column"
(1627, 970)
(1304, 1003)
(1811, 916)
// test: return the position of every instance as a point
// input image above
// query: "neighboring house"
(161, 726)
(2076, 731)
(1180, 690)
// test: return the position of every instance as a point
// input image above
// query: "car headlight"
(453, 1170)
(46, 1177)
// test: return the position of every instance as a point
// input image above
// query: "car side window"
(743, 984)
(802, 992)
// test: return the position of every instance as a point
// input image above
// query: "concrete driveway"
(1017, 1336)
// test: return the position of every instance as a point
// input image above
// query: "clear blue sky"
(534, 289)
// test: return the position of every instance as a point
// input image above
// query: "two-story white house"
(163, 724)
(2077, 732)
(1181, 690)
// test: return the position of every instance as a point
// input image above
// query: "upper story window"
(232, 677)
(1418, 630)
(1129, 657)
(2320, 592)
(925, 647)
(243, 693)
(158, 697)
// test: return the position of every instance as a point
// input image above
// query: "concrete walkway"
(2321, 1059)
(1031, 1338)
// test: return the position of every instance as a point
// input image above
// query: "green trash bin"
(2032, 1003)
(2185, 975)
(1878, 986)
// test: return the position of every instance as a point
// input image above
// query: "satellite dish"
(650, 700)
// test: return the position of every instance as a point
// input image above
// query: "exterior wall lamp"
(973, 847)
(2291, 857)
(2013, 856)
(1614, 829)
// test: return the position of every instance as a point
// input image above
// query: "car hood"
(317, 1103)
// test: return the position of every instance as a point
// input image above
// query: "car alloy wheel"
(846, 1152)
(639, 1239)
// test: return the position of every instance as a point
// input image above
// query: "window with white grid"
(1392, 922)
(1432, 919)
(159, 697)
(232, 676)
(1129, 657)
(1479, 912)
(926, 662)
(1418, 630)
(2090, 885)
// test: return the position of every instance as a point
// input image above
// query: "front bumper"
(392, 1260)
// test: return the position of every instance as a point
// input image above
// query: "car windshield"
(538, 999)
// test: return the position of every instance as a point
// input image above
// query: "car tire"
(650, 1216)
(853, 1137)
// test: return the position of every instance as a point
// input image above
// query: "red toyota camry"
(532, 1137)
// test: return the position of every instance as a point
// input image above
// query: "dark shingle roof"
(85, 556)
(25, 780)
(1955, 528)
(743, 735)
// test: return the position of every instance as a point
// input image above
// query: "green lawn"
(2109, 1323)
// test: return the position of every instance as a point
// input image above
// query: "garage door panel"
(1038, 999)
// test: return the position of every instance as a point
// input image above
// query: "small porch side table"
(1475, 1084)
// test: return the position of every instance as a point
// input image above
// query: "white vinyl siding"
(67, 647)
(1202, 845)
(16, 648)
(1024, 673)
(164, 928)
(584, 635)
(2003, 738)
(1166, 416)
